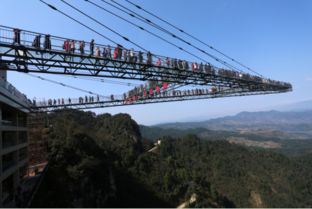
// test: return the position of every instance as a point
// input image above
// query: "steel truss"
(23, 57)
(27, 59)
(153, 99)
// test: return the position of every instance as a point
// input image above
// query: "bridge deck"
(24, 55)
(167, 96)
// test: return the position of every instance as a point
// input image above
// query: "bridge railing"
(140, 98)
(27, 38)
(129, 97)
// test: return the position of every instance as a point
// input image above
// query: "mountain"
(103, 161)
(299, 106)
(289, 122)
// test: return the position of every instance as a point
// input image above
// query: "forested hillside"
(103, 161)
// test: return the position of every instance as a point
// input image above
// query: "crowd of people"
(150, 90)
(137, 57)
(154, 89)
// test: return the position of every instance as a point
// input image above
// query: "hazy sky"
(273, 37)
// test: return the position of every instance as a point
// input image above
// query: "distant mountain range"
(290, 122)
(299, 106)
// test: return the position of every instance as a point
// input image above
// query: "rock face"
(82, 150)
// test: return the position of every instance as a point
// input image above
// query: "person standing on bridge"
(17, 36)
(115, 56)
(183, 64)
(135, 58)
(66, 46)
(201, 67)
(168, 61)
(119, 47)
(47, 42)
(92, 47)
(140, 56)
(180, 65)
(125, 52)
(72, 46)
(131, 55)
(36, 42)
(158, 63)
(81, 47)
(97, 52)
(107, 52)
(149, 58)
(194, 66)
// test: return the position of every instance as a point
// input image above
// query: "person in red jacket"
(165, 85)
(158, 63)
(194, 66)
(66, 45)
(157, 89)
(115, 56)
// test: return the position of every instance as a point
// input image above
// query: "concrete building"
(14, 109)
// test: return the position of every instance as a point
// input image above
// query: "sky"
(273, 37)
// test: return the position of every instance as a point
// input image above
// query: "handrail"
(7, 34)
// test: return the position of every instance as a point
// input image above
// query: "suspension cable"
(149, 22)
(77, 21)
(65, 85)
(148, 31)
(75, 8)
(54, 8)
(103, 80)
(182, 31)
(171, 88)
(103, 25)
(175, 86)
